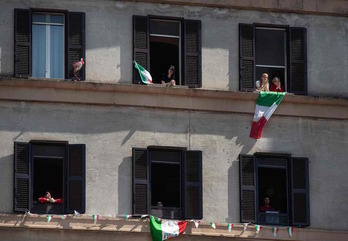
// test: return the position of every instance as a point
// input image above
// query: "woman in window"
(277, 85)
(264, 85)
(169, 78)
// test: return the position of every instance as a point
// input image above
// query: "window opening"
(270, 51)
(272, 185)
(48, 46)
(165, 46)
(47, 176)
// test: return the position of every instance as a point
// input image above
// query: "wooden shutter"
(247, 176)
(298, 61)
(193, 53)
(246, 57)
(299, 192)
(141, 49)
(76, 44)
(22, 43)
(22, 177)
(193, 208)
(76, 179)
(140, 181)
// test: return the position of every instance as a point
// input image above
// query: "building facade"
(111, 146)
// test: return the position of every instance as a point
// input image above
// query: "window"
(280, 178)
(167, 182)
(280, 51)
(56, 167)
(48, 43)
(161, 42)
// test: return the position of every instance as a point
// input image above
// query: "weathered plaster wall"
(109, 41)
(222, 137)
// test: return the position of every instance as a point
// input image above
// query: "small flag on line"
(246, 225)
(230, 226)
(95, 218)
(258, 228)
(49, 218)
(275, 231)
(145, 76)
(77, 214)
(213, 225)
(197, 223)
(290, 230)
(63, 216)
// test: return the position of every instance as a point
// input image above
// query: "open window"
(167, 182)
(47, 43)
(279, 51)
(55, 167)
(268, 190)
(163, 42)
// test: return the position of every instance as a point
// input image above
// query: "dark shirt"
(165, 78)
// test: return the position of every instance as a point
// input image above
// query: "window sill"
(159, 96)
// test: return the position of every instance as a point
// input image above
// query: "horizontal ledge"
(159, 96)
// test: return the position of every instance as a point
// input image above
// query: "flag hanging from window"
(144, 74)
(266, 104)
(164, 229)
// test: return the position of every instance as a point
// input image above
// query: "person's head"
(48, 195)
(267, 201)
(171, 71)
(276, 81)
(264, 78)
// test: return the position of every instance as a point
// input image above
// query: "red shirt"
(263, 208)
(274, 88)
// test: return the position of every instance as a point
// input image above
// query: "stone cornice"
(158, 96)
(316, 7)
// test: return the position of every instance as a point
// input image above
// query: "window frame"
(245, 84)
(147, 208)
(184, 53)
(246, 209)
(23, 23)
(27, 159)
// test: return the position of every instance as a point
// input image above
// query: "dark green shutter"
(140, 187)
(298, 61)
(193, 53)
(22, 43)
(141, 49)
(193, 207)
(76, 44)
(246, 57)
(299, 192)
(247, 177)
(22, 177)
(76, 178)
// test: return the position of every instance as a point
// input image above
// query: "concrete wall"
(222, 137)
(109, 41)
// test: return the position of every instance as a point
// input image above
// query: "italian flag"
(275, 231)
(165, 229)
(95, 218)
(266, 104)
(213, 225)
(290, 230)
(258, 228)
(49, 218)
(144, 74)
(230, 226)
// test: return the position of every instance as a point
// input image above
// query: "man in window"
(266, 205)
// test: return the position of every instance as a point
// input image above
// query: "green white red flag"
(164, 229)
(275, 231)
(290, 230)
(145, 76)
(49, 218)
(230, 226)
(197, 223)
(258, 228)
(213, 225)
(266, 104)
(95, 218)
(63, 216)
(246, 225)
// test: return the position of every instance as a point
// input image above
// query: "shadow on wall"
(6, 180)
(233, 193)
(125, 186)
